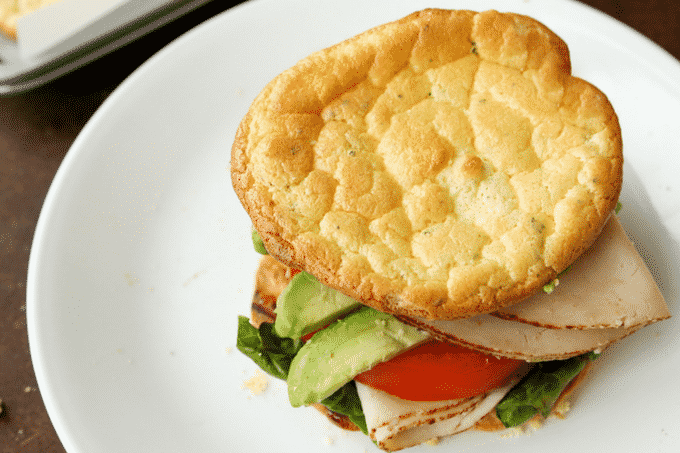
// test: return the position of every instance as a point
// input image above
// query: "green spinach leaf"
(269, 351)
(346, 401)
(274, 354)
(539, 389)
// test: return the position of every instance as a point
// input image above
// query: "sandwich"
(435, 199)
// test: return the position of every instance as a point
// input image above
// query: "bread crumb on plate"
(257, 384)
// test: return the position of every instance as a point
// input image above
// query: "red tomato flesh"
(435, 371)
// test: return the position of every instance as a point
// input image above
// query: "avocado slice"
(346, 348)
(306, 305)
(258, 243)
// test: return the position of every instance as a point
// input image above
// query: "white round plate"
(142, 258)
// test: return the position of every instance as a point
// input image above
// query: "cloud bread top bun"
(440, 166)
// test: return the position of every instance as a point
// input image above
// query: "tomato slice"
(435, 371)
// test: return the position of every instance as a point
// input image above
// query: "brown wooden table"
(36, 130)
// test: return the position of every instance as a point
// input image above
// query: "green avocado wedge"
(350, 346)
(258, 243)
(306, 305)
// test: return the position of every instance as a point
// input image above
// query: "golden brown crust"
(440, 166)
(340, 420)
(270, 279)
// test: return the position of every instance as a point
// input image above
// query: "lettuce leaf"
(274, 354)
(539, 389)
(269, 351)
(346, 401)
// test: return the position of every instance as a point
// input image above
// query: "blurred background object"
(44, 39)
